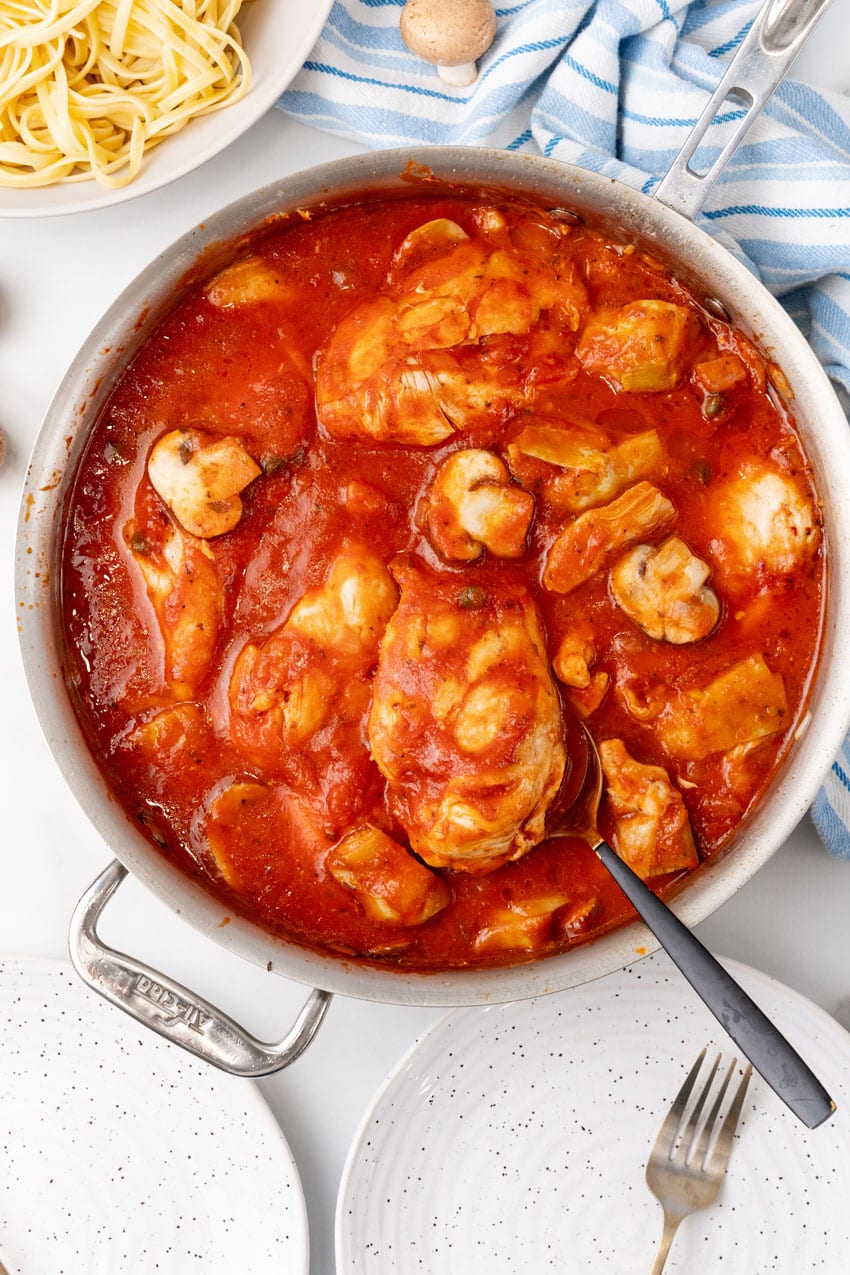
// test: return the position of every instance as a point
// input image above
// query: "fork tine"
(690, 1129)
(670, 1128)
(723, 1146)
(699, 1155)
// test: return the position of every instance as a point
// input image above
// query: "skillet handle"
(170, 1009)
(777, 35)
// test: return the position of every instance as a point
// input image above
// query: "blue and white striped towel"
(615, 86)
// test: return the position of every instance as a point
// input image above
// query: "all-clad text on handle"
(172, 1010)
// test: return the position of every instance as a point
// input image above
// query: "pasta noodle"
(88, 86)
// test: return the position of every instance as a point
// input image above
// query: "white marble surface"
(57, 275)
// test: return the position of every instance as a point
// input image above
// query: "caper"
(472, 597)
(139, 543)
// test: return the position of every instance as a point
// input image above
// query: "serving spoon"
(755, 1035)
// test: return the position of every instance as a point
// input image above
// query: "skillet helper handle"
(172, 1010)
(777, 35)
(772, 1056)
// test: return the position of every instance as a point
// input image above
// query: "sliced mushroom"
(200, 477)
(472, 505)
(663, 590)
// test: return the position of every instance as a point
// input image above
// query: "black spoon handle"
(774, 1059)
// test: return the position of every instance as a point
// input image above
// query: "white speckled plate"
(121, 1155)
(513, 1139)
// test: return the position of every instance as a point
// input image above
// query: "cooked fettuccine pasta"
(87, 88)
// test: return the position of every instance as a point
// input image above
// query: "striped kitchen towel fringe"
(615, 86)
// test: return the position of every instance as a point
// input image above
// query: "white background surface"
(57, 276)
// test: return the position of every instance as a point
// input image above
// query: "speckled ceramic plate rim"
(346, 1260)
(251, 1095)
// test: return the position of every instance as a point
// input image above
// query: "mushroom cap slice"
(200, 477)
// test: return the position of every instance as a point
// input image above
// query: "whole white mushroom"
(452, 34)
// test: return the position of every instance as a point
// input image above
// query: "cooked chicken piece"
(226, 814)
(764, 523)
(585, 700)
(572, 660)
(409, 366)
(299, 698)
(721, 373)
(166, 741)
(489, 220)
(744, 704)
(643, 346)
(594, 470)
(361, 499)
(584, 547)
(472, 506)
(370, 384)
(664, 591)
(245, 282)
(391, 886)
(653, 832)
(574, 656)
(187, 596)
(347, 616)
(171, 731)
(465, 723)
(200, 477)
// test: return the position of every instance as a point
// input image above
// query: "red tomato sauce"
(247, 371)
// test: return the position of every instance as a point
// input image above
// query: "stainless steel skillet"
(152, 997)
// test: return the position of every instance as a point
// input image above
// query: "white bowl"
(277, 35)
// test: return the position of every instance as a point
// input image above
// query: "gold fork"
(688, 1162)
